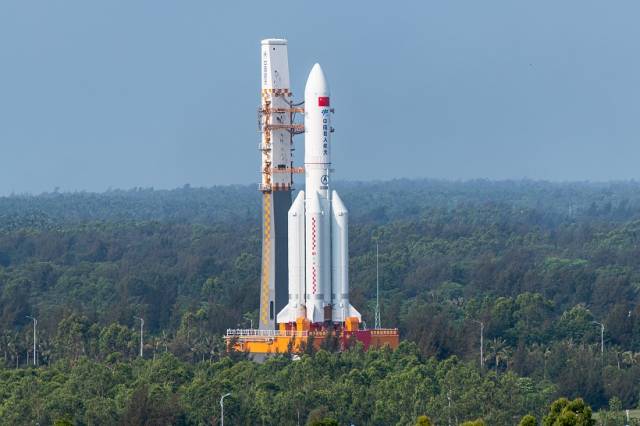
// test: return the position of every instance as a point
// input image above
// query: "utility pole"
(141, 335)
(222, 407)
(481, 342)
(35, 354)
(377, 323)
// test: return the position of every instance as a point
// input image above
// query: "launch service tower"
(275, 118)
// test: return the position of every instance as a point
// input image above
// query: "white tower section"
(277, 129)
(276, 116)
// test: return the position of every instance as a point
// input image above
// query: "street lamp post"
(601, 336)
(35, 354)
(141, 335)
(481, 342)
(222, 407)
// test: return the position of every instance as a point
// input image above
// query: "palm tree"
(496, 348)
(547, 354)
(630, 358)
(4, 342)
(505, 354)
(14, 350)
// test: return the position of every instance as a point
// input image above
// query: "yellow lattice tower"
(266, 257)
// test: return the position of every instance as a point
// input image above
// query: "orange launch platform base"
(296, 337)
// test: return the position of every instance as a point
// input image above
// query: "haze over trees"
(538, 264)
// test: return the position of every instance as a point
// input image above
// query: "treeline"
(378, 387)
(375, 202)
(537, 264)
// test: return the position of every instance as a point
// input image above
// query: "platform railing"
(252, 332)
(384, 331)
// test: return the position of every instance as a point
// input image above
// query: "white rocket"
(318, 222)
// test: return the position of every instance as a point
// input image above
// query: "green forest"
(547, 273)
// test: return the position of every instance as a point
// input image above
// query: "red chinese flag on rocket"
(323, 101)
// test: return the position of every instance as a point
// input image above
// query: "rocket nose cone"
(337, 204)
(316, 69)
(317, 82)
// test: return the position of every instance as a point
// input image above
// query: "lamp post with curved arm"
(141, 335)
(601, 336)
(222, 407)
(35, 354)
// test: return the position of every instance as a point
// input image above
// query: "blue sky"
(117, 94)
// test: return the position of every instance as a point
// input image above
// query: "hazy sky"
(116, 94)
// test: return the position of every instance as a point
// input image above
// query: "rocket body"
(318, 222)
(317, 161)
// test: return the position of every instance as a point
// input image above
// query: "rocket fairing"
(318, 222)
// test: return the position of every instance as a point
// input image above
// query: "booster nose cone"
(316, 83)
